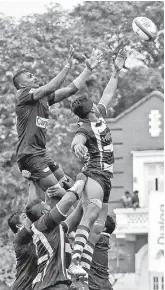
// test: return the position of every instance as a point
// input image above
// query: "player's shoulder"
(83, 126)
(23, 236)
(44, 224)
(104, 239)
(24, 91)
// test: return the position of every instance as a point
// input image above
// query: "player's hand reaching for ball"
(119, 61)
(80, 150)
(94, 60)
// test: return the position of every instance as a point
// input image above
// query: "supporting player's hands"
(55, 191)
(94, 60)
(80, 150)
(26, 174)
(119, 61)
(66, 182)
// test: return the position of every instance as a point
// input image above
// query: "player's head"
(110, 225)
(23, 78)
(36, 209)
(83, 106)
(16, 221)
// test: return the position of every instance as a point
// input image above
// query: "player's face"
(27, 79)
(95, 110)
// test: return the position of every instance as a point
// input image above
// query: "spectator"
(135, 199)
(126, 199)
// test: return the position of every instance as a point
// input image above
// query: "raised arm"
(73, 220)
(59, 212)
(110, 89)
(79, 82)
(56, 82)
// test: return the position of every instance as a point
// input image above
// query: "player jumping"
(32, 112)
(94, 136)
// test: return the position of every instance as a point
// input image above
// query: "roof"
(137, 104)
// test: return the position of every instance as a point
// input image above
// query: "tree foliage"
(40, 43)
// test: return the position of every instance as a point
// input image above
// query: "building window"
(162, 282)
(156, 283)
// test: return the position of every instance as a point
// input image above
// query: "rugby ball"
(144, 28)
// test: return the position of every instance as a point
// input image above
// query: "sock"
(81, 238)
(86, 259)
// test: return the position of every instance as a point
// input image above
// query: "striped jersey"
(54, 255)
(99, 143)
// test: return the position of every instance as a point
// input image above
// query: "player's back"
(99, 144)
(51, 251)
(26, 260)
(32, 121)
(99, 272)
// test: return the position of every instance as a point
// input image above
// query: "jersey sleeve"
(46, 223)
(51, 99)
(25, 97)
(103, 109)
(83, 130)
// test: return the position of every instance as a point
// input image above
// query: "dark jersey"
(99, 266)
(99, 143)
(26, 260)
(32, 122)
(52, 251)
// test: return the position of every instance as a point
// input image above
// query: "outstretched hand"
(94, 60)
(119, 61)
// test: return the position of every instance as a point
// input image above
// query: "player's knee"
(92, 209)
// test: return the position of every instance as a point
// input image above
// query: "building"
(138, 136)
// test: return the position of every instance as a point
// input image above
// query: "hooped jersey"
(100, 154)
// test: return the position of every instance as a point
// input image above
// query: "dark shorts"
(39, 166)
(99, 283)
(103, 178)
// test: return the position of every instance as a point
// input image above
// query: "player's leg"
(40, 172)
(92, 204)
(94, 236)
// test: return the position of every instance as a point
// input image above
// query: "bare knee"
(91, 213)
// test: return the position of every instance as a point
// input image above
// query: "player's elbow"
(40, 93)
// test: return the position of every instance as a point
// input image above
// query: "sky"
(18, 8)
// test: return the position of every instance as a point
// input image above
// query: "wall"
(131, 133)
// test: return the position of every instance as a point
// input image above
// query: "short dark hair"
(16, 77)
(30, 211)
(110, 224)
(81, 106)
(127, 192)
(13, 221)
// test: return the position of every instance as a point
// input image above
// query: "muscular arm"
(75, 86)
(63, 93)
(73, 220)
(110, 89)
(58, 213)
(52, 86)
